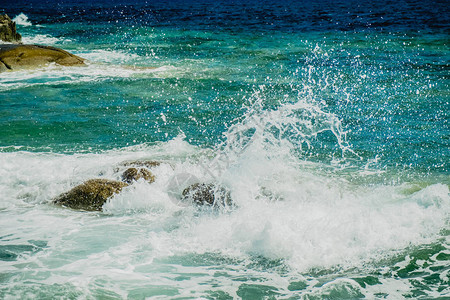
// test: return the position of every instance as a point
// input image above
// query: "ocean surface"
(327, 121)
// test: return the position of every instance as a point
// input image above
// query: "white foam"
(54, 74)
(108, 56)
(43, 39)
(22, 20)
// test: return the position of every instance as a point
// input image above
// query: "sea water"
(326, 121)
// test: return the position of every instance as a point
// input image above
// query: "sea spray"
(22, 20)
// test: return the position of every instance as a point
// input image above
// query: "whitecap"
(43, 39)
(22, 20)
(54, 74)
(108, 56)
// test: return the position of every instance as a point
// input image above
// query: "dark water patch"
(262, 263)
(202, 260)
(419, 267)
(257, 291)
(367, 280)
(13, 252)
(152, 291)
(443, 256)
(102, 293)
(297, 285)
(29, 290)
(218, 295)
(323, 272)
(339, 289)
(419, 259)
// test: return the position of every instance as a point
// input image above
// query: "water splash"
(283, 133)
(22, 20)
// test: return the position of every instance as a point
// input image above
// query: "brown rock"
(133, 174)
(140, 163)
(15, 57)
(8, 31)
(207, 194)
(90, 195)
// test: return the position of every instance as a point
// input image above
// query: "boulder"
(16, 57)
(90, 195)
(8, 31)
(133, 174)
(208, 194)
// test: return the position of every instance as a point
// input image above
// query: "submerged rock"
(133, 174)
(207, 194)
(90, 195)
(8, 31)
(16, 57)
(140, 163)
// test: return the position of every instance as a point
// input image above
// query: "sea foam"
(54, 74)
(22, 20)
(43, 39)
(284, 211)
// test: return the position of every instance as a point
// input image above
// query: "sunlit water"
(328, 123)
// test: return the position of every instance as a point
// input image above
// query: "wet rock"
(134, 174)
(90, 195)
(141, 163)
(8, 31)
(3, 68)
(207, 194)
(16, 57)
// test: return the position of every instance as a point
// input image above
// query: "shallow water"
(328, 123)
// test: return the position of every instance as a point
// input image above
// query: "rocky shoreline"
(17, 56)
(8, 31)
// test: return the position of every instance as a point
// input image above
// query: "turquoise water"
(329, 126)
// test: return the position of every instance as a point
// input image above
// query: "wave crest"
(22, 20)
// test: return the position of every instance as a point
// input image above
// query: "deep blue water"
(288, 16)
(327, 120)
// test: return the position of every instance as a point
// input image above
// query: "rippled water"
(327, 122)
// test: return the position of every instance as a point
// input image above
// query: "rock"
(207, 194)
(8, 31)
(133, 174)
(90, 195)
(16, 57)
(140, 163)
(3, 68)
